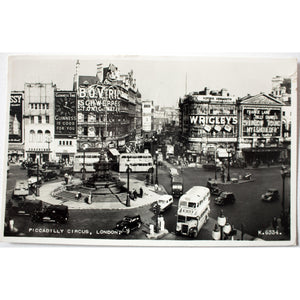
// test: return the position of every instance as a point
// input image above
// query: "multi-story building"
(260, 128)
(39, 121)
(208, 120)
(16, 127)
(147, 117)
(106, 108)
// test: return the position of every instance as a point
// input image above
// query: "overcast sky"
(160, 79)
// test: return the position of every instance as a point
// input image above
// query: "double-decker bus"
(137, 162)
(193, 210)
(85, 161)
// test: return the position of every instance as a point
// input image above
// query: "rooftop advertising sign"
(99, 98)
(263, 122)
(15, 117)
(65, 122)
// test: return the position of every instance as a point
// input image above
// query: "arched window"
(39, 136)
(31, 136)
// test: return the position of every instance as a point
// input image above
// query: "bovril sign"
(99, 98)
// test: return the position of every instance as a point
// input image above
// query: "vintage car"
(270, 195)
(49, 175)
(52, 213)
(27, 207)
(21, 189)
(52, 165)
(213, 187)
(128, 223)
(224, 198)
(164, 202)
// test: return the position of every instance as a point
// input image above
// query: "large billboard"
(16, 117)
(98, 98)
(261, 122)
(65, 121)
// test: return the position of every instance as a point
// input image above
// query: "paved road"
(248, 209)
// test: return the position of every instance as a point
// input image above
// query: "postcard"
(150, 151)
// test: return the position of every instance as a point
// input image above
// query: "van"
(21, 189)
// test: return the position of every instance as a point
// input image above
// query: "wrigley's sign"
(213, 120)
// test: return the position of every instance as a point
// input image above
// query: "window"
(40, 119)
(43, 105)
(47, 119)
(63, 142)
(85, 131)
(39, 136)
(85, 118)
(35, 106)
(70, 143)
(60, 143)
(32, 119)
(47, 105)
(283, 113)
(32, 136)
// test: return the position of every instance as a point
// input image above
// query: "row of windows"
(65, 143)
(39, 119)
(38, 136)
(39, 105)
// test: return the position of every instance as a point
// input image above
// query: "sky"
(161, 79)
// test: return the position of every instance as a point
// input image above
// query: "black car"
(270, 195)
(27, 207)
(52, 213)
(49, 174)
(224, 198)
(52, 165)
(128, 224)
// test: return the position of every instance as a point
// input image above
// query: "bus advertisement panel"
(137, 162)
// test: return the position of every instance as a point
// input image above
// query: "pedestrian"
(66, 177)
(134, 193)
(90, 198)
(141, 192)
(156, 187)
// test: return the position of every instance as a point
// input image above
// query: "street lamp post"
(283, 175)
(128, 198)
(156, 168)
(83, 163)
(48, 141)
(228, 174)
(37, 190)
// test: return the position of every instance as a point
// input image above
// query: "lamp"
(84, 147)
(128, 171)
(156, 168)
(216, 234)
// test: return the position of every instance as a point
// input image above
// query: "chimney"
(207, 91)
(99, 74)
(76, 76)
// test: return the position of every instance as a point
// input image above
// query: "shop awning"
(114, 152)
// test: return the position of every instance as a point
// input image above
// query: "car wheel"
(127, 231)
(139, 225)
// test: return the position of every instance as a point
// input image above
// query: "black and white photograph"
(150, 151)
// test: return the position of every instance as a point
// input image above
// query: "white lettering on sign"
(213, 120)
(99, 92)
(15, 99)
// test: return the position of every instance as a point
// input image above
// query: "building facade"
(260, 129)
(106, 108)
(208, 121)
(147, 116)
(39, 121)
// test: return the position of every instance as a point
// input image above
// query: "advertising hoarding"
(65, 122)
(16, 117)
(261, 122)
